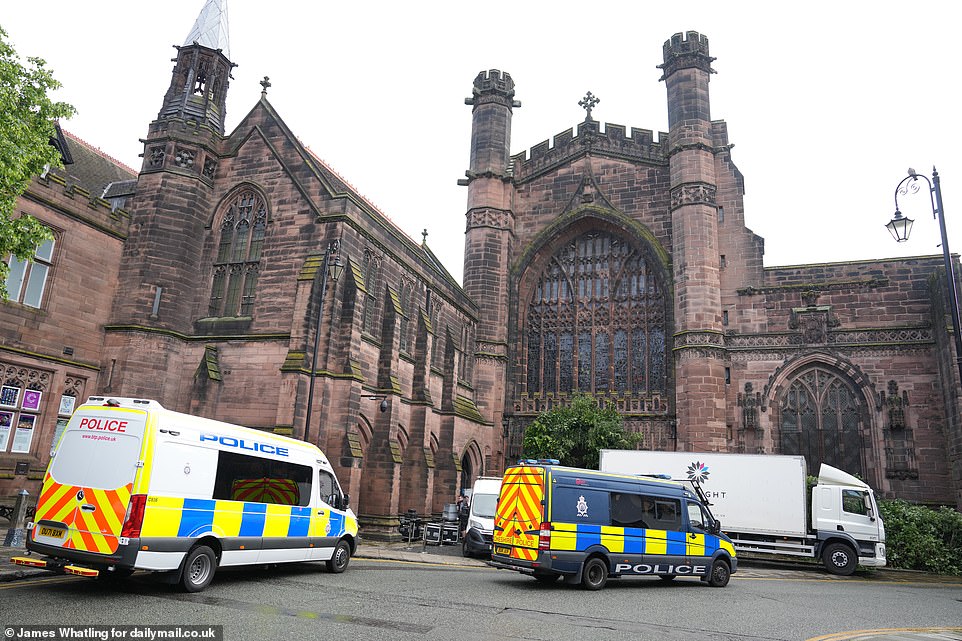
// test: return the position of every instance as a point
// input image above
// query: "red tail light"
(134, 519)
(544, 537)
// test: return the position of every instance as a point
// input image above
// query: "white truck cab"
(480, 526)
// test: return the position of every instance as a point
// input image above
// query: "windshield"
(483, 505)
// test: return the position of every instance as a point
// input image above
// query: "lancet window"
(237, 263)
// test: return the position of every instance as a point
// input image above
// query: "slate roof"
(94, 170)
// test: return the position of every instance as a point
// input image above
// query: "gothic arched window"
(820, 419)
(237, 264)
(596, 321)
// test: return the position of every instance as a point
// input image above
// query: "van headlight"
(477, 525)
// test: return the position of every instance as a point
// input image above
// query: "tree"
(576, 434)
(27, 117)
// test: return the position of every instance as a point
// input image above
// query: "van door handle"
(87, 507)
(320, 512)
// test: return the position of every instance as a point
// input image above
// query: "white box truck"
(761, 502)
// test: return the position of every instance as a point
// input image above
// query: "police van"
(586, 526)
(133, 486)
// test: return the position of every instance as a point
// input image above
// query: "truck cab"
(845, 518)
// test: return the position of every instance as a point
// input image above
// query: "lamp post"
(900, 227)
(331, 268)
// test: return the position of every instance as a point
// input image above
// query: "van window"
(697, 519)
(580, 505)
(261, 480)
(631, 510)
(328, 489)
(483, 505)
(81, 457)
(667, 515)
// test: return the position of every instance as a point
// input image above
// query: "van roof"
(198, 421)
(564, 471)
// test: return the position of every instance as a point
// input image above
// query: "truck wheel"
(199, 567)
(340, 558)
(839, 559)
(594, 575)
(720, 574)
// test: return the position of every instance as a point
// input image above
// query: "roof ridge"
(100, 153)
(354, 189)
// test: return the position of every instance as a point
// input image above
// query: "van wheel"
(839, 559)
(199, 567)
(340, 558)
(594, 575)
(720, 574)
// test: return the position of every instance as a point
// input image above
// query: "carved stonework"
(814, 322)
(184, 158)
(692, 194)
(487, 217)
(155, 157)
(210, 166)
(750, 403)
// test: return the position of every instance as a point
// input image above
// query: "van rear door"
(89, 481)
(518, 519)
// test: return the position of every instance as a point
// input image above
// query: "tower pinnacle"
(211, 30)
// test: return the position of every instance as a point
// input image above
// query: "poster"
(31, 400)
(61, 426)
(24, 434)
(67, 405)
(9, 395)
(6, 424)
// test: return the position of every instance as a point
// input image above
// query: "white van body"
(134, 486)
(480, 526)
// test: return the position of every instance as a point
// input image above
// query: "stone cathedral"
(235, 275)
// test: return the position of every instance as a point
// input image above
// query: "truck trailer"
(762, 503)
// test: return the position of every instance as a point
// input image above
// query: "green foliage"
(576, 434)
(921, 538)
(27, 116)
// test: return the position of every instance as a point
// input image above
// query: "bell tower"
(166, 278)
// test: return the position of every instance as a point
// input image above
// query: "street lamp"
(900, 227)
(332, 269)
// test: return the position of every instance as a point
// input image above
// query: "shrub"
(922, 538)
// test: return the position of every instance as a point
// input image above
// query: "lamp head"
(900, 227)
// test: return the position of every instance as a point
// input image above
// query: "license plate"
(500, 549)
(52, 532)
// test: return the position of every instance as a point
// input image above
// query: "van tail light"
(544, 536)
(134, 519)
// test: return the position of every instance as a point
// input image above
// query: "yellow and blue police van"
(585, 526)
(133, 486)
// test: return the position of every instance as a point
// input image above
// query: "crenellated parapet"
(59, 192)
(684, 51)
(493, 86)
(615, 141)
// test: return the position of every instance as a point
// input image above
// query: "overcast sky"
(827, 103)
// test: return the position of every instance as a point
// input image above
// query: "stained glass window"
(237, 265)
(820, 419)
(596, 321)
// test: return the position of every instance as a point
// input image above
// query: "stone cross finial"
(424, 237)
(588, 103)
(265, 83)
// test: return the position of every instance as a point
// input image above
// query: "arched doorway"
(472, 466)
(821, 418)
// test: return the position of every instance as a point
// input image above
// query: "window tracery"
(821, 420)
(596, 321)
(237, 263)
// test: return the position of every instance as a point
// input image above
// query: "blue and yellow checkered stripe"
(576, 537)
(182, 517)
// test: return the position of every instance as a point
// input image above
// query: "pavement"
(418, 552)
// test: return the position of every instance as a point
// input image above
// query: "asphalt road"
(395, 600)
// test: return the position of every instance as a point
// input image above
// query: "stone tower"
(158, 291)
(489, 231)
(700, 358)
